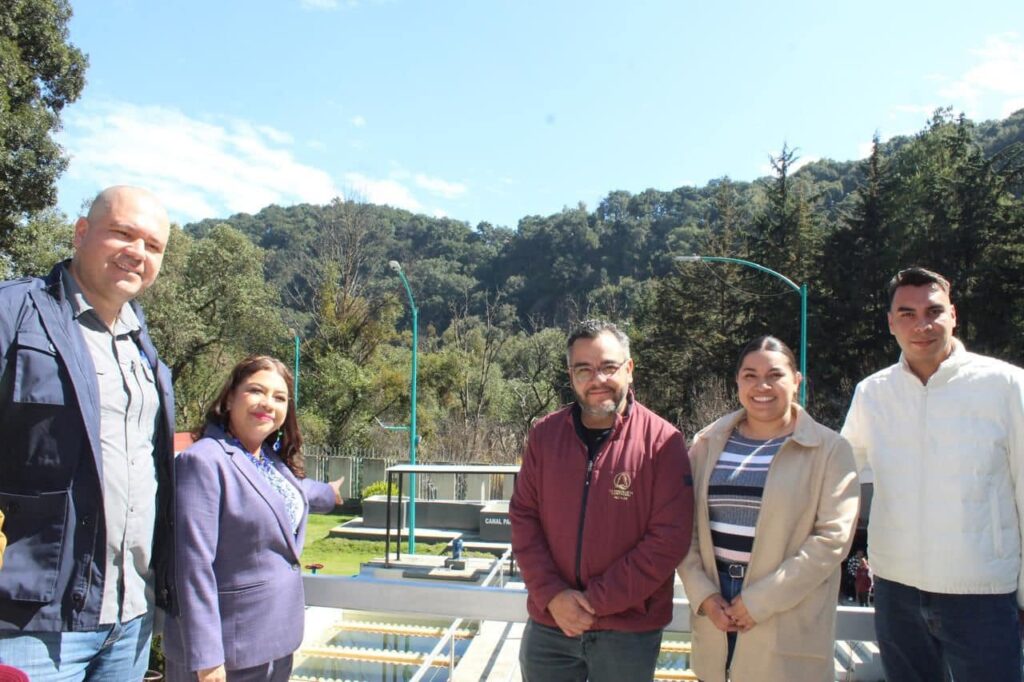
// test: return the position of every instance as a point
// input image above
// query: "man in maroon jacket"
(601, 516)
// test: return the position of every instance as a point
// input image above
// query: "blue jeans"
(931, 637)
(730, 587)
(112, 652)
(547, 655)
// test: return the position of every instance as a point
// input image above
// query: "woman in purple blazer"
(240, 521)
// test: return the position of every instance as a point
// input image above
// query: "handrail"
(471, 602)
(449, 635)
(496, 568)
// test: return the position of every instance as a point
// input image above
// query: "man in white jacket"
(942, 434)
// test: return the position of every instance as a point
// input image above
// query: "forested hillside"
(495, 301)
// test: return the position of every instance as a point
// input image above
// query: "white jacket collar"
(947, 368)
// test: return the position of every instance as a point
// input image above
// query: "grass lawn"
(341, 556)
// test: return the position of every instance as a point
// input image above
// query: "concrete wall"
(489, 519)
(342, 466)
(442, 514)
(374, 470)
(375, 511)
(441, 486)
(448, 514)
(494, 523)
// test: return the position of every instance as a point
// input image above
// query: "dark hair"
(917, 277)
(769, 343)
(291, 439)
(591, 329)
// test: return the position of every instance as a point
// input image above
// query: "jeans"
(547, 655)
(112, 652)
(931, 637)
(730, 587)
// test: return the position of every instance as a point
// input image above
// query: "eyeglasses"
(585, 373)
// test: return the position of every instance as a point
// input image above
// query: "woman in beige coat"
(776, 498)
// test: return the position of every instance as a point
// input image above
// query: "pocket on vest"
(38, 371)
(35, 529)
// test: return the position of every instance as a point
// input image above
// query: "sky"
(485, 110)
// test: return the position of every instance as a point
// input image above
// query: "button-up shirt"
(129, 403)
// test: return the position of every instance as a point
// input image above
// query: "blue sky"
(490, 111)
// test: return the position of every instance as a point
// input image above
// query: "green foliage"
(340, 556)
(536, 376)
(313, 426)
(156, 654)
(40, 73)
(210, 307)
(494, 304)
(33, 247)
(378, 488)
(938, 199)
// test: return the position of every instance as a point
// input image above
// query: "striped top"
(734, 495)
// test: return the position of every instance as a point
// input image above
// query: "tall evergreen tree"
(41, 72)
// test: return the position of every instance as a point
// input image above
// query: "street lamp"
(798, 288)
(397, 267)
(296, 335)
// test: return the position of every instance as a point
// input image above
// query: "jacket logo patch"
(620, 486)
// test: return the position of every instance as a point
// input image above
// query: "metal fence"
(363, 466)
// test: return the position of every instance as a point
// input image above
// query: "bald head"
(105, 200)
(119, 247)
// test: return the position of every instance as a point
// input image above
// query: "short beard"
(602, 410)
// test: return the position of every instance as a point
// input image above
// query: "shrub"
(379, 488)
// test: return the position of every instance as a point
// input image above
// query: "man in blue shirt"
(86, 422)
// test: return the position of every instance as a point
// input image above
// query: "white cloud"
(319, 4)
(993, 86)
(999, 71)
(208, 168)
(200, 169)
(275, 135)
(864, 149)
(1011, 105)
(358, 121)
(329, 5)
(443, 188)
(386, 191)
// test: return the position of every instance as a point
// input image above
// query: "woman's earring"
(277, 443)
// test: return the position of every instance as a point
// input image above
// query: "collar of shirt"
(957, 358)
(127, 320)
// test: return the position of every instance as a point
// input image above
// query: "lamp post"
(295, 334)
(798, 288)
(397, 267)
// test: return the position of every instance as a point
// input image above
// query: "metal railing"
(496, 574)
(473, 602)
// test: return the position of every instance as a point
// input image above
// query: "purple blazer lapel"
(269, 495)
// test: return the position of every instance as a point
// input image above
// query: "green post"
(800, 289)
(803, 344)
(296, 334)
(397, 267)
